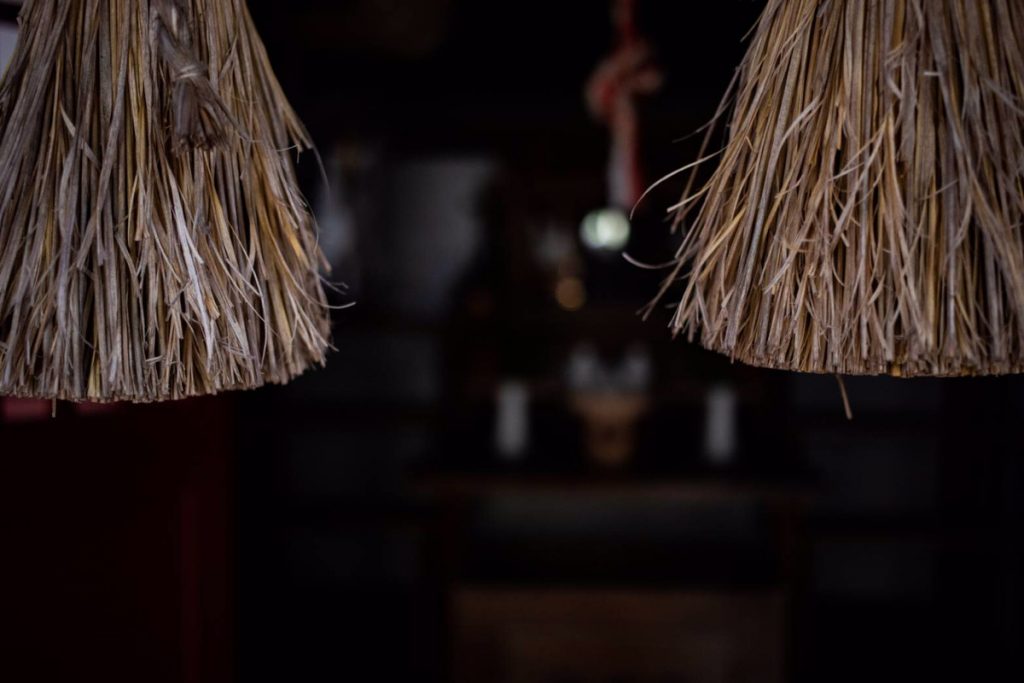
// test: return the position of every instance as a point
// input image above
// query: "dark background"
(358, 524)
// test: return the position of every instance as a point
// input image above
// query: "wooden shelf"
(683, 489)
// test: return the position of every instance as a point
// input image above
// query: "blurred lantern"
(512, 420)
(570, 292)
(866, 214)
(605, 229)
(153, 242)
(720, 428)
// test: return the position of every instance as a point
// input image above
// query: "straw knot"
(199, 118)
(190, 72)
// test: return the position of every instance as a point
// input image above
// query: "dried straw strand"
(153, 242)
(865, 217)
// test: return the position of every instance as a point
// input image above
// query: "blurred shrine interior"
(504, 473)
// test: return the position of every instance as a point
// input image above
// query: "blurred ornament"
(587, 372)
(611, 94)
(610, 400)
(610, 421)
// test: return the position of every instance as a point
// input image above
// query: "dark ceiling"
(466, 70)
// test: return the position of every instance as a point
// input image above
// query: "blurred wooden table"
(621, 628)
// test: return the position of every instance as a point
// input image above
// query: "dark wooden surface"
(116, 535)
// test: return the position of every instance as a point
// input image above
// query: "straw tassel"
(153, 241)
(866, 213)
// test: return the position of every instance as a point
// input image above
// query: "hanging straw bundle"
(153, 242)
(866, 214)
